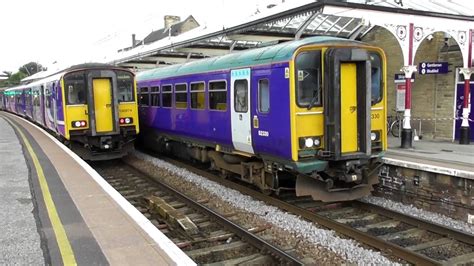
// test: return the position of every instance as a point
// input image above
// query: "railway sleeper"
(223, 251)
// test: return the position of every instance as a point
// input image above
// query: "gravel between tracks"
(421, 214)
(314, 242)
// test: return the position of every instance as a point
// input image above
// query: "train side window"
(308, 79)
(155, 96)
(166, 95)
(125, 86)
(75, 84)
(376, 77)
(36, 99)
(241, 102)
(46, 98)
(181, 96)
(198, 96)
(263, 96)
(218, 95)
(144, 96)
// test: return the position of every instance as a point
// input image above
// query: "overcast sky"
(69, 31)
(76, 31)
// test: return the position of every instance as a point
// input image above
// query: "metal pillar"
(407, 133)
(465, 132)
(408, 69)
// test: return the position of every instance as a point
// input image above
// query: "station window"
(75, 87)
(308, 79)
(241, 103)
(376, 77)
(263, 96)
(218, 95)
(197, 96)
(166, 95)
(181, 96)
(155, 96)
(144, 98)
(125, 86)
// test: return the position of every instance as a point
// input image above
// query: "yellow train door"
(349, 138)
(103, 104)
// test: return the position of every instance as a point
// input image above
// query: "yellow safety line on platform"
(63, 242)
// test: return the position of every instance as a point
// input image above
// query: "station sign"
(426, 68)
(400, 78)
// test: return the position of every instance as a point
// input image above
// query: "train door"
(102, 91)
(349, 108)
(54, 98)
(240, 110)
(42, 105)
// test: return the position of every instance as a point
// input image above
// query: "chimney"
(134, 40)
(170, 20)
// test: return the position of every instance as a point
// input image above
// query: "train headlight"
(375, 136)
(308, 143)
(125, 120)
(317, 141)
(78, 124)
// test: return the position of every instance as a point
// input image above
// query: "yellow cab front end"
(338, 119)
(101, 112)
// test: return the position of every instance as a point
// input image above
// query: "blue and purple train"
(310, 112)
(90, 107)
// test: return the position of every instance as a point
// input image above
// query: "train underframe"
(102, 147)
(340, 181)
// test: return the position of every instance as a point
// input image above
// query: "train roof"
(55, 75)
(265, 55)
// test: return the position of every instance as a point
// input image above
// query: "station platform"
(442, 157)
(55, 209)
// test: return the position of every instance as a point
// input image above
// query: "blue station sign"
(425, 68)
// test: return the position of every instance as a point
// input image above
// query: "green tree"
(23, 72)
(31, 68)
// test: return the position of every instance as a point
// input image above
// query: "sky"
(75, 31)
(72, 31)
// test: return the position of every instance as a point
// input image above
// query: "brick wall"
(432, 95)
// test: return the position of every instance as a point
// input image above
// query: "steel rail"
(426, 225)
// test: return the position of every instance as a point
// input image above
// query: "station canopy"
(285, 21)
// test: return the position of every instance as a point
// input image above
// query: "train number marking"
(263, 133)
(375, 116)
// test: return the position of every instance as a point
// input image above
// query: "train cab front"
(340, 120)
(101, 111)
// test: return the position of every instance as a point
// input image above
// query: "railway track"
(204, 235)
(395, 234)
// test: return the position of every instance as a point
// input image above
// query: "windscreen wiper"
(312, 103)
